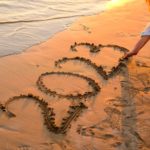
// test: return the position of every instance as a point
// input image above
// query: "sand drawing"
(90, 81)
(48, 113)
(76, 110)
(97, 48)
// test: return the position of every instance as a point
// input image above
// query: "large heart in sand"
(74, 111)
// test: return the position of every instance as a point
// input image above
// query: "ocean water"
(24, 23)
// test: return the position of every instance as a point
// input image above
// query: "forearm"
(140, 44)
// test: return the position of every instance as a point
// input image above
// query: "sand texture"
(74, 92)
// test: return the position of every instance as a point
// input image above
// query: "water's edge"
(20, 35)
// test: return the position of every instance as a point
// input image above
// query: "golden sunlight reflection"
(116, 3)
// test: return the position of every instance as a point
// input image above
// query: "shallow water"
(28, 22)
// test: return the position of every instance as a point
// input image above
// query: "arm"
(140, 44)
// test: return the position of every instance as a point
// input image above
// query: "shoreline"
(57, 24)
(111, 7)
(108, 6)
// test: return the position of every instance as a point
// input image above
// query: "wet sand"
(89, 101)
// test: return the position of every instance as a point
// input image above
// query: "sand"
(103, 108)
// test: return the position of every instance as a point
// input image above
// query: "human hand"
(130, 54)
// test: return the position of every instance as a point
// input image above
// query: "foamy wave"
(38, 20)
(28, 22)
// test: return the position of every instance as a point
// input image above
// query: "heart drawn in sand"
(96, 49)
(74, 111)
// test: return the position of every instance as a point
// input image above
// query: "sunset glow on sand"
(117, 3)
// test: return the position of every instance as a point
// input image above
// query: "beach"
(72, 92)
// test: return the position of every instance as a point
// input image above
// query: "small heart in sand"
(106, 57)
